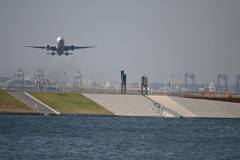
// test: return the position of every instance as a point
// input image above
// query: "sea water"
(97, 137)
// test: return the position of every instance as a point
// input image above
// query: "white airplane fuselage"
(60, 45)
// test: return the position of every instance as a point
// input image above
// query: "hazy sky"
(157, 38)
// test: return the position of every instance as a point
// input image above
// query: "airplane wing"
(41, 47)
(77, 47)
(53, 48)
(83, 47)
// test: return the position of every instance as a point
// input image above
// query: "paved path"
(125, 105)
(33, 103)
(188, 107)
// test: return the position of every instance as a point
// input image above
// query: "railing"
(162, 110)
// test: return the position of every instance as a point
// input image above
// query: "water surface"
(94, 137)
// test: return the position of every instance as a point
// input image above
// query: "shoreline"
(73, 114)
(105, 115)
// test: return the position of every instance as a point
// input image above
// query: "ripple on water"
(96, 137)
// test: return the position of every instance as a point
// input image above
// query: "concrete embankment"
(128, 105)
(34, 103)
(188, 107)
(125, 105)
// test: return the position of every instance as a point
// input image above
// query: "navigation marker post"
(123, 82)
(144, 85)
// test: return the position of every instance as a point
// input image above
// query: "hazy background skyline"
(157, 38)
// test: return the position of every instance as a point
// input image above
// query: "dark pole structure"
(144, 85)
(123, 82)
(122, 73)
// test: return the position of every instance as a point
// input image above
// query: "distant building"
(39, 76)
(19, 75)
(107, 84)
(77, 80)
(211, 87)
(4, 79)
(136, 85)
(156, 86)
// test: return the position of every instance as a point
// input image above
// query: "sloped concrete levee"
(162, 110)
(125, 105)
(172, 105)
(188, 107)
(33, 103)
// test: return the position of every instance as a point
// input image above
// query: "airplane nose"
(60, 40)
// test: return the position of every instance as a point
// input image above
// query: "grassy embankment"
(10, 104)
(71, 103)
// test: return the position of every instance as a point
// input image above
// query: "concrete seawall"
(166, 106)
(152, 105)
(125, 105)
(188, 107)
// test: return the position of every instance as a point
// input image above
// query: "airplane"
(60, 48)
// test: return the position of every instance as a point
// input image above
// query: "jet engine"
(72, 47)
(48, 47)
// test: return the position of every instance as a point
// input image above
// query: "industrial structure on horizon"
(41, 82)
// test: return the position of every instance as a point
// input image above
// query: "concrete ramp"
(125, 105)
(188, 107)
(33, 103)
